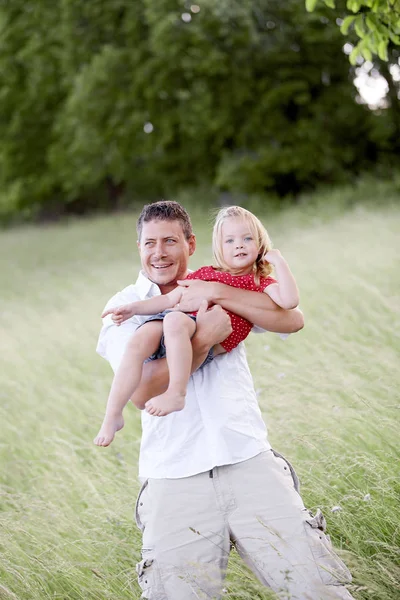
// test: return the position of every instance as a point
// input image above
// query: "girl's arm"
(284, 293)
(152, 306)
(257, 308)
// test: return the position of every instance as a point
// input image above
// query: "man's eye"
(170, 241)
(149, 244)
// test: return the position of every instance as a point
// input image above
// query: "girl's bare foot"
(108, 430)
(166, 403)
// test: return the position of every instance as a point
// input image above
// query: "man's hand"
(195, 291)
(213, 326)
(120, 313)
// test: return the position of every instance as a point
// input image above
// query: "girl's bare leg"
(178, 331)
(143, 343)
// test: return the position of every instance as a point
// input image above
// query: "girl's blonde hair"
(261, 268)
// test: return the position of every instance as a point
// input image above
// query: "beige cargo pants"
(189, 524)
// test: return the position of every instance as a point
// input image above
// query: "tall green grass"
(329, 395)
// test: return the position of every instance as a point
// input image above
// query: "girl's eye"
(248, 239)
(228, 241)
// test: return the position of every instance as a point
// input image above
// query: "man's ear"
(138, 245)
(192, 244)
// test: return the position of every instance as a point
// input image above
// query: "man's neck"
(165, 289)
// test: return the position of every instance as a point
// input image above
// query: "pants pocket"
(331, 568)
(141, 506)
(144, 576)
(287, 469)
(149, 579)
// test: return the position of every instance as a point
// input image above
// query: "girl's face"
(239, 248)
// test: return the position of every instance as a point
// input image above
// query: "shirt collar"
(145, 286)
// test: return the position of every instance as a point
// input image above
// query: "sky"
(371, 86)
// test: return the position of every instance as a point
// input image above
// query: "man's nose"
(159, 250)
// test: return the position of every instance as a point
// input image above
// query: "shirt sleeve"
(113, 339)
(256, 329)
(266, 281)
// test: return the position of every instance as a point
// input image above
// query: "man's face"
(164, 252)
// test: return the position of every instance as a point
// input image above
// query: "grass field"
(330, 395)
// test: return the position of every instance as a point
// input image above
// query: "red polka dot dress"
(241, 327)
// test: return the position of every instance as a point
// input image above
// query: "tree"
(374, 31)
(101, 101)
(375, 22)
(249, 95)
(31, 89)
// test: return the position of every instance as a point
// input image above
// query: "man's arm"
(256, 307)
(212, 327)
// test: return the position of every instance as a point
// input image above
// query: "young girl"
(244, 258)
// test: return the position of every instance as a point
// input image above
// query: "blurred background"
(104, 104)
(290, 108)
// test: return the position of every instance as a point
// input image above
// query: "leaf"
(371, 24)
(382, 50)
(330, 3)
(354, 55)
(345, 26)
(311, 4)
(353, 5)
(395, 38)
(359, 26)
(366, 53)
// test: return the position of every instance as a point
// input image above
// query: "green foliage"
(375, 22)
(102, 102)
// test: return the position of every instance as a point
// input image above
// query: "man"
(210, 476)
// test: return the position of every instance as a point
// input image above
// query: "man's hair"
(165, 210)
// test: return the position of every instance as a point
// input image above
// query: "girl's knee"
(146, 336)
(176, 321)
(136, 350)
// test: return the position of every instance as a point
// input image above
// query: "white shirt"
(221, 423)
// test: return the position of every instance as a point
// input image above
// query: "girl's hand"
(273, 256)
(193, 292)
(120, 313)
